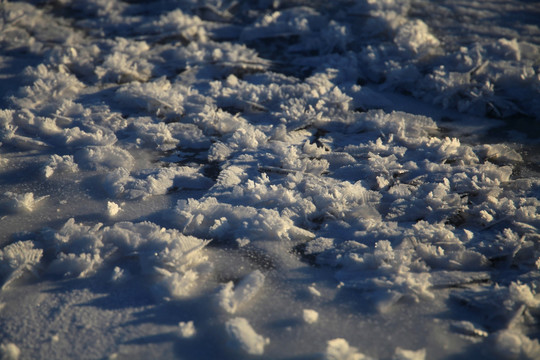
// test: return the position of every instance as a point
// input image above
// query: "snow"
(9, 351)
(231, 298)
(280, 179)
(187, 329)
(16, 259)
(244, 337)
(310, 316)
(403, 354)
(113, 208)
(339, 349)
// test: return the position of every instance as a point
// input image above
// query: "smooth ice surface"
(289, 179)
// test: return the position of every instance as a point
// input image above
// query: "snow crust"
(314, 169)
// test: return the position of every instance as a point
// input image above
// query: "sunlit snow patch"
(243, 337)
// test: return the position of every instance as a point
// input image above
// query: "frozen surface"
(269, 179)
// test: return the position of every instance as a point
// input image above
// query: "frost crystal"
(379, 147)
(18, 258)
(23, 202)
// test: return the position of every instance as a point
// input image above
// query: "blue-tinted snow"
(273, 179)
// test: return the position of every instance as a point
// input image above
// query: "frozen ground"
(269, 179)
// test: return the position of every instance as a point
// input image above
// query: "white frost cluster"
(230, 297)
(59, 163)
(187, 329)
(145, 183)
(175, 260)
(282, 131)
(339, 349)
(18, 258)
(22, 202)
(310, 316)
(243, 337)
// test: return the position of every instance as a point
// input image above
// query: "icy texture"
(346, 158)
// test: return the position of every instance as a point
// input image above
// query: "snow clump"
(187, 329)
(310, 316)
(243, 337)
(9, 351)
(339, 349)
(231, 297)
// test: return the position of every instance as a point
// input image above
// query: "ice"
(243, 337)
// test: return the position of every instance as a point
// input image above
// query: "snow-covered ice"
(354, 179)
